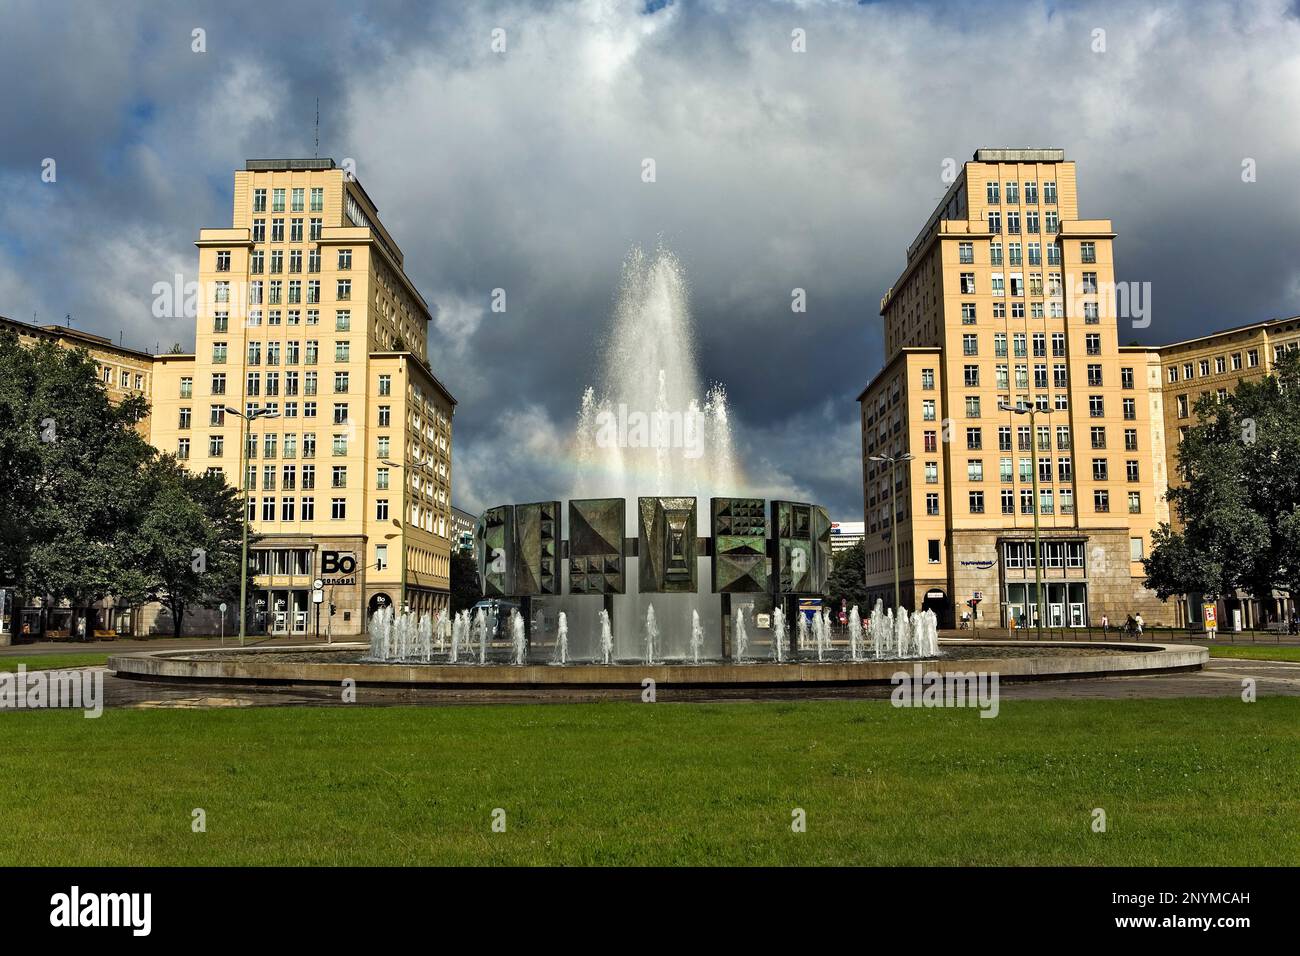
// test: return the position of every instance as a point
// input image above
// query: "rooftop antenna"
(317, 146)
(67, 319)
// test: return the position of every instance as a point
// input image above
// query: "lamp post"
(893, 462)
(1020, 408)
(244, 422)
(401, 523)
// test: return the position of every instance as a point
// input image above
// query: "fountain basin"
(333, 664)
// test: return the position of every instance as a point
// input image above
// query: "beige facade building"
(1214, 365)
(1008, 297)
(306, 312)
(125, 373)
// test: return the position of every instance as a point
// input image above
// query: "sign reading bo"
(337, 562)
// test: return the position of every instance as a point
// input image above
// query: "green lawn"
(47, 662)
(1260, 652)
(1182, 782)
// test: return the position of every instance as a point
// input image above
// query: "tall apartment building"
(307, 313)
(1007, 298)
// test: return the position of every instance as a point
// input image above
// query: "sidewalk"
(1157, 636)
(130, 645)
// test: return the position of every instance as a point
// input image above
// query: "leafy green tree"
(71, 463)
(186, 548)
(465, 592)
(847, 579)
(1237, 506)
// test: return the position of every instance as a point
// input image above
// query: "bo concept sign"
(340, 563)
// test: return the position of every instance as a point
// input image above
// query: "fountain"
(855, 635)
(779, 635)
(801, 637)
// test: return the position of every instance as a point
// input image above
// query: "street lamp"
(1023, 409)
(893, 462)
(244, 422)
(427, 468)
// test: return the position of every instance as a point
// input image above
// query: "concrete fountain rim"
(190, 667)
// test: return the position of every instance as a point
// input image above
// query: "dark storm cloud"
(776, 170)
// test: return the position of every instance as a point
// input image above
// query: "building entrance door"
(299, 603)
(279, 616)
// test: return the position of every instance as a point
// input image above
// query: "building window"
(932, 504)
(1101, 500)
(308, 509)
(381, 509)
(338, 508)
(933, 550)
(977, 502)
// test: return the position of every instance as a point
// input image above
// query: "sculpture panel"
(740, 562)
(596, 552)
(667, 548)
(537, 548)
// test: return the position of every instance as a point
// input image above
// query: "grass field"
(1181, 781)
(1260, 652)
(53, 661)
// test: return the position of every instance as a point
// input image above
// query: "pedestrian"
(1137, 622)
(1105, 625)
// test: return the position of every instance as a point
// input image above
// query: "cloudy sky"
(775, 170)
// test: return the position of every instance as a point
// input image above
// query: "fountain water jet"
(518, 637)
(697, 636)
(740, 637)
(651, 634)
(562, 641)
(606, 638)
(779, 635)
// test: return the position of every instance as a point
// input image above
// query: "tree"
(847, 580)
(465, 591)
(186, 548)
(71, 464)
(1237, 506)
